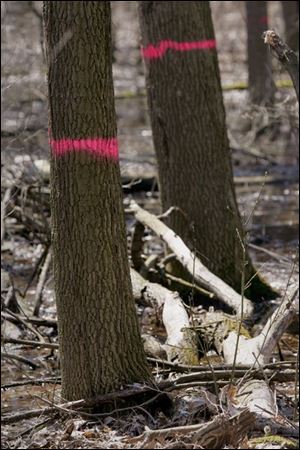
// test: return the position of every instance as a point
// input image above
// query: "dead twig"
(277, 256)
(38, 381)
(37, 321)
(6, 340)
(19, 320)
(4, 203)
(41, 284)
(214, 434)
(19, 359)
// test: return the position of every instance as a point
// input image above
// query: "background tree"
(260, 81)
(189, 133)
(290, 11)
(100, 345)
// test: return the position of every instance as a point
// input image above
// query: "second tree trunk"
(189, 133)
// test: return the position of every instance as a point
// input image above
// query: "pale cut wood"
(181, 343)
(193, 264)
(258, 350)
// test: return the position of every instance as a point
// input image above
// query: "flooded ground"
(273, 133)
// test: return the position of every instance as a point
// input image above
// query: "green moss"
(273, 439)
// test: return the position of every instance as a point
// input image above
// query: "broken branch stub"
(285, 55)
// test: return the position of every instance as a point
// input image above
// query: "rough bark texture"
(100, 345)
(189, 133)
(260, 80)
(290, 11)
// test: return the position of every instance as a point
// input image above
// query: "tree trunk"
(189, 133)
(260, 80)
(290, 11)
(100, 344)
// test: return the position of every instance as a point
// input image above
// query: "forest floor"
(262, 140)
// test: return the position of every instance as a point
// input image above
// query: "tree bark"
(189, 133)
(290, 12)
(260, 80)
(100, 344)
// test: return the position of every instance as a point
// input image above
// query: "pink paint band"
(107, 148)
(263, 20)
(152, 52)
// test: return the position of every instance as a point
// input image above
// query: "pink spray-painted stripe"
(107, 148)
(152, 52)
(263, 20)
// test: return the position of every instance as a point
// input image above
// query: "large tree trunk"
(100, 345)
(290, 11)
(189, 133)
(260, 80)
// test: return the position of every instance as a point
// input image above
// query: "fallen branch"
(41, 283)
(175, 367)
(38, 321)
(218, 432)
(18, 319)
(36, 381)
(6, 340)
(277, 256)
(4, 203)
(194, 266)
(260, 398)
(180, 343)
(189, 285)
(77, 405)
(258, 350)
(20, 359)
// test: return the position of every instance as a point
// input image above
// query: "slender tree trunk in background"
(290, 11)
(260, 80)
(100, 344)
(189, 133)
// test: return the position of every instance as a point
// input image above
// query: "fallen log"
(222, 430)
(181, 343)
(228, 336)
(193, 264)
(258, 350)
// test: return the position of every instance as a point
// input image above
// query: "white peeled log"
(201, 274)
(259, 398)
(258, 350)
(257, 395)
(181, 343)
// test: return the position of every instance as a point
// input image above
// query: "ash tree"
(260, 80)
(190, 137)
(99, 339)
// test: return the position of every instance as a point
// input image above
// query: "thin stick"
(10, 315)
(41, 283)
(277, 256)
(30, 343)
(20, 359)
(39, 381)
